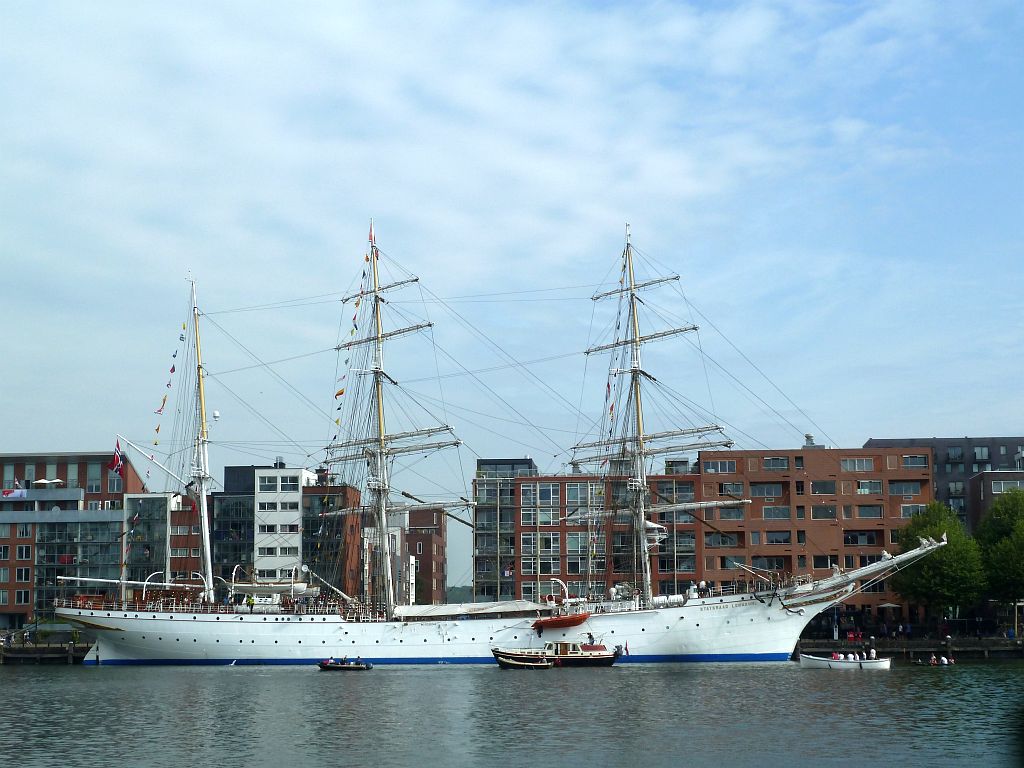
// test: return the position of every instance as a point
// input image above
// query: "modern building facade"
(811, 509)
(426, 542)
(269, 521)
(61, 514)
(957, 460)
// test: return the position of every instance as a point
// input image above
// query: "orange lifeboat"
(559, 622)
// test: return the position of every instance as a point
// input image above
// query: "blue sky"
(839, 186)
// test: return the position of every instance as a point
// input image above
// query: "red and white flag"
(117, 463)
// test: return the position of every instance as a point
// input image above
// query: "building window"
(801, 537)
(730, 513)
(823, 512)
(755, 538)
(5, 552)
(776, 513)
(762, 490)
(800, 512)
(732, 562)
(956, 488)
(904, 487)
(861, 538)
(824, 561)
(3, 597)
(290, 483)
(267, 551)
(869, 487)
(981, 453)
(719, 539)
(730, 489)
(768, 563)
(857, 465)
(1002, 486)
(548, 494)
(823, 487)
(289, 506)
(778, 537)
(179, 551)
(419, 547)
(268, 506)
(776, 463)
(869, 510)
(24, 552)
(267, 528)
(266, 573)
(24, 575)
(268, 484)
(22, 597)
(909, 510)
(24, 530)
(114, 483)
(915, 462)
(294, 551)
(290, 528)
(720, 467)
(93, 473)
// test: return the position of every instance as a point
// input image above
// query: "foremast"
(201, 458)
(634, 443)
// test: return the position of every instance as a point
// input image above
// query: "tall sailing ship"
(712, 624)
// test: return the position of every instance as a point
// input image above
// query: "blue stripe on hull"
(634, 659)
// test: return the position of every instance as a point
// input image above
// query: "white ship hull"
(737, 627)
(732, 628)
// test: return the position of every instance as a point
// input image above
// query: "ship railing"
(98, 603)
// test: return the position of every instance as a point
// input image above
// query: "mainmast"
(638, 445)
(378, 481)
(378, 448)
(201, 458)
(637, 485)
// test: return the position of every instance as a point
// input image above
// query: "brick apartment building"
(812, 509)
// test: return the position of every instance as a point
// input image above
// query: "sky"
(839, 186)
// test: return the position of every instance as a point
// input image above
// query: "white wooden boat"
(822, 662)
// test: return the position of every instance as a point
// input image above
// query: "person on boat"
(873, 655)
(835, 656)
(850, 657)
(943, 661)
(250, 602)
(933, 661)
(359, 660)
(590, 638)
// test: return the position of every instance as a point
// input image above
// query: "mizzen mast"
(634, 443)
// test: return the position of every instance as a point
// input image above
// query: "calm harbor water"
(641, 715)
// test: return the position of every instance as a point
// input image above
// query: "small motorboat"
(823, 662)
(560, 655)
(344, 665)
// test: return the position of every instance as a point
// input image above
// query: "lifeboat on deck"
(561, 621)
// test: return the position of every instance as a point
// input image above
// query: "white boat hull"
(821, 662)
(734, 627)
(738, 628)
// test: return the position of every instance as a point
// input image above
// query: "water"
(630, 715)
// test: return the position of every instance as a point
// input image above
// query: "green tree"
(1000, 521)
(1001, 536)
(951, 576)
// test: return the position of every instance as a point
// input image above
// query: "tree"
(1000, 521)
(1001, 535)
(951, 576)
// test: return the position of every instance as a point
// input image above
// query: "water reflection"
(659, 715)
